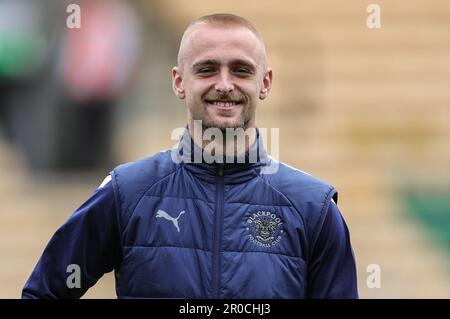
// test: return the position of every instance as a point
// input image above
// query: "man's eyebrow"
(239, 62)
(242, 62)
(205, 63)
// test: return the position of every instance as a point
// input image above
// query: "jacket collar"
(234, 170)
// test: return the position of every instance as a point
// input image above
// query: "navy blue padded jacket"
(174, 229)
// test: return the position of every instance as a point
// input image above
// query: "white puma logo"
(163, 214)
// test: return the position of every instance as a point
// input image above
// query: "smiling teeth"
(224, 104)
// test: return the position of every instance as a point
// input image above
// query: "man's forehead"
(204, 39)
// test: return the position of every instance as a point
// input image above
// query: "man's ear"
(267, 84)
(177, 83)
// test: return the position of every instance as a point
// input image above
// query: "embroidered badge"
(264, 228)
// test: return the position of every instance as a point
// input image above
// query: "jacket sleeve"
(80, 252)
(332, 269)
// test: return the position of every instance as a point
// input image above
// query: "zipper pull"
(220, 169)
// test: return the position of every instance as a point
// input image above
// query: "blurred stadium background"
(365, 109)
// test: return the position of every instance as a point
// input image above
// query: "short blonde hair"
(221, 20)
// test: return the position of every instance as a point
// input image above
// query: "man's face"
(222, 76)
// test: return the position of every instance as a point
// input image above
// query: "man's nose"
(224, 84)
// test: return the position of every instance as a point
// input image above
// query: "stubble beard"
(243, 121)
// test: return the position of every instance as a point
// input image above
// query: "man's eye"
(205, 70)
(242, 71)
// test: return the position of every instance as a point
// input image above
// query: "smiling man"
(175, 225)
(222, 73)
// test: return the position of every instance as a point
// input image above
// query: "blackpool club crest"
(264, 228)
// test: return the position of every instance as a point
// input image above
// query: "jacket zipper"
(218, 232)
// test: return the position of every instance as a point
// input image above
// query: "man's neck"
(227, 142)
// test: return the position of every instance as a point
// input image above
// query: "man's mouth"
(224, 104)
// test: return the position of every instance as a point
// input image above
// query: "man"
(207, 219)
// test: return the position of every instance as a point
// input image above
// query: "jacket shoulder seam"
(138, 200)
(282, 194)
(145, 191)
